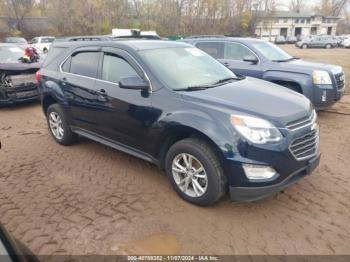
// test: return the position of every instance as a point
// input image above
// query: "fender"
(303, 80)
(202, 123)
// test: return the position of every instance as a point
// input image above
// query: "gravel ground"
(90, 199)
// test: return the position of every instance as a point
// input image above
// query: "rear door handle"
(227, 64)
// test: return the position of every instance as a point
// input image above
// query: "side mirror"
(250, 58)
(133, 82)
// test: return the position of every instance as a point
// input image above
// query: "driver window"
(114, 68)
(234, 51)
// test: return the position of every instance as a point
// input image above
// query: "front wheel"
(195, 172)
(304, 46)
(328, 46)
(58, 125)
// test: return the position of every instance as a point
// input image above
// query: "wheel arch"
(173, 135)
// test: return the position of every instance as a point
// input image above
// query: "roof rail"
(83, 38)
(205, 36)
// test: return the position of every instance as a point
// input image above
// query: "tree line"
(167, 17)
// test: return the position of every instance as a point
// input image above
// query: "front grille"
(305, 121)
(305, 146)
(340, 80)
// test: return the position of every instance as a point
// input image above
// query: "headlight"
(255, 129)
(321, 78)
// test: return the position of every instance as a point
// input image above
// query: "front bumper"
(18, 94)
(325, 96)
(296, 156)
(256, 193)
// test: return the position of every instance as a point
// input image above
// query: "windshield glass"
(271, 52)
(10, 54)
(183, 67)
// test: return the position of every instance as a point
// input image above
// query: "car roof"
(136, 45)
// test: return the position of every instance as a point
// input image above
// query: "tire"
(214, 183)
(328, 46)
(304, 46)
(66, 137)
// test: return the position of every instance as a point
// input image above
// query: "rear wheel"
(195, 172)
(328, 46)
(304, 46)
(58, 125)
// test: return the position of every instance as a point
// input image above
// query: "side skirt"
(118, 146)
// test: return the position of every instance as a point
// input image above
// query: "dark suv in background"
(175, 106)
(322, 84)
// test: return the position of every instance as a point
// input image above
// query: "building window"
(302, 21)
(308, 21)
(285, 20)
(297, 21)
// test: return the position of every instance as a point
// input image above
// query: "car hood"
(254, 97)
(18, 66)
(301, 66)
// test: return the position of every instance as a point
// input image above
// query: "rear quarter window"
(54, 54)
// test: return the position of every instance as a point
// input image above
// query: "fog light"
(324, 96)
(256, 172)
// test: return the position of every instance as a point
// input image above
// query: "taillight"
(38, 77)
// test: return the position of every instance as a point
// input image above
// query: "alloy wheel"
(189, 175)
(56, 125)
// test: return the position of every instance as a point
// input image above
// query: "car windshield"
(272, 52)
(10, 53)
(184, 67)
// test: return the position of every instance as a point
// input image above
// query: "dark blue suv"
(175, 106)
(322, 84)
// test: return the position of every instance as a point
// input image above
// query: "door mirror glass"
(250, 58)
(133, 82)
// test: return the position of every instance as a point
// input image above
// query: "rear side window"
(47, 40)
(54, 53)
(115, 68)
(215, 49)
(85, 64)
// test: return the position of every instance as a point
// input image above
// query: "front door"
(234, 55)
(126, 115)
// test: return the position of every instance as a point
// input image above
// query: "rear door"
(125, 115)
(79, 72)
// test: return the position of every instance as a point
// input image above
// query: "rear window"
(85, 64)
(47, 40)
(53, 54)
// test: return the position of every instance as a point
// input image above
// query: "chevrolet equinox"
(175, 106)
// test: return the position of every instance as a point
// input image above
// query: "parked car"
(322, 84)
(17, 40)
(211, 130)
(291, 40)
(17, 79)
(317, 42)
(280, 40)
(13, 250)
(42, 43)
(345, 43)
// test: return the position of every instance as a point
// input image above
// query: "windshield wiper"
(227, 79)
(215, 84)
(194, 88)
(286, 60)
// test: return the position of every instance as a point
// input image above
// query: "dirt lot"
(90, 199)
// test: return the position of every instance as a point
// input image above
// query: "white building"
(295, 24)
